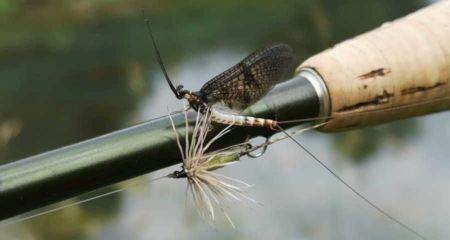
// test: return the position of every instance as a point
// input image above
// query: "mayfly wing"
(250, 79)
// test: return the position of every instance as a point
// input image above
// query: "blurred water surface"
(76, 69)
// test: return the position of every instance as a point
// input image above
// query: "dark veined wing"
(250, 79)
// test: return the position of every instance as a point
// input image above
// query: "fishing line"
(405, 226)
(7, 223)
(304, 120)
(22, 219)
(164, 116)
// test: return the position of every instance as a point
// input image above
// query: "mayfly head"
(209, 190)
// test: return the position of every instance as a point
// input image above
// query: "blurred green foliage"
(71, 70)
(359, 145)
(75, 69)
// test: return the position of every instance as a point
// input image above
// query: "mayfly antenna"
(176, 90)
(379, 209)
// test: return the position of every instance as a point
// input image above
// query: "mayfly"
(239, 86)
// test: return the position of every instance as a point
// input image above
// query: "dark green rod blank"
(66, 172)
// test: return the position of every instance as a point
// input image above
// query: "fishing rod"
(399, 70)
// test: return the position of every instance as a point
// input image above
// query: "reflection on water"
(75, 74)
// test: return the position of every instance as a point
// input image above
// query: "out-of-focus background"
(71, 70)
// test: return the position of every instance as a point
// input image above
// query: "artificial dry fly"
(209, 190)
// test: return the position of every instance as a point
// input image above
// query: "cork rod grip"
(399, 70)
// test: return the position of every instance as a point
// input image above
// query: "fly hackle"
(210, 191)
